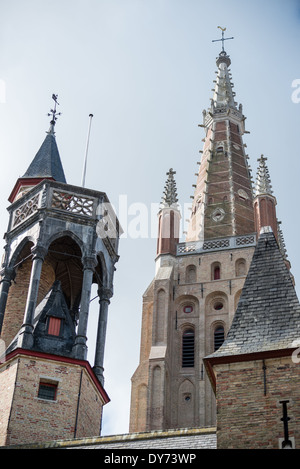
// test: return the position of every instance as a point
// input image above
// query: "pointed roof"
(263, 181)
(268, 313)
(170, 192)
(47, 162)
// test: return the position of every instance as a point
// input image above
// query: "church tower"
(60, 240)
(189, 306)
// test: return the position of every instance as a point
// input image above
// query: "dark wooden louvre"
(219, 337)
(188, 345)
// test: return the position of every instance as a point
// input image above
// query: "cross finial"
(54, 113)
(171, 173)
(223, 38)
(170, 193)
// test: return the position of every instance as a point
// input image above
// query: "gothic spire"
(170, 192)
(263, 181)
(222, 200)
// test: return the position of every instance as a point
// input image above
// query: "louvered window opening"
(219, 337)
(188, 345)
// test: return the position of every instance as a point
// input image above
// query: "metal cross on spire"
(54, 113)
(223, 38)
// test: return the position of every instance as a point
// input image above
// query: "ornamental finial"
(223, 38)
(54, 113)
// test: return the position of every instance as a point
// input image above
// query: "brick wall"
(248, 419)
(16, 301)
(7, 384)
(38, 420)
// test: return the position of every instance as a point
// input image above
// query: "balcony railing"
(194, 247)
(56, 198)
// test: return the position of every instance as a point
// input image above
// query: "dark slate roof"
(268, 313)
(47, 162)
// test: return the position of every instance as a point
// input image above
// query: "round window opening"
(218, 305)
(188, 309)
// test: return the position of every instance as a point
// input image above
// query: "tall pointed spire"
(263, 181)
(222, 200)
(46, 163)
(169, 218)
(264, 200)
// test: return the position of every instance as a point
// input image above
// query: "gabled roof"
(47, 162)
(268, 313)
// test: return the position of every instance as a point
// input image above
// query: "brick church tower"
(189, 306)
(57, 246)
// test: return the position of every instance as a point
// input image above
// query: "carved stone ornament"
(72, 203)
(26, 210)
(218, 214)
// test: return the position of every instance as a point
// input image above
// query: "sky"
(145, 70)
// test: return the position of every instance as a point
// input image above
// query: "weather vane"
(53, 112)
(223, 38)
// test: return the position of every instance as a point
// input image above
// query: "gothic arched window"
(188, 348)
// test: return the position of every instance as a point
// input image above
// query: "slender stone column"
(8, 275)
(80, 347)
(105, 294)
(26, 338)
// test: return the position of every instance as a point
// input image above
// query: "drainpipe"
(78, 401)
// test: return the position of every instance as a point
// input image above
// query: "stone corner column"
(105, 295)
(80, 347)
(8, 274)
(25, 339)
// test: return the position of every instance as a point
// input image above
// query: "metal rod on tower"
(86, 151)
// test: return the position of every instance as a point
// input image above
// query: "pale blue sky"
(145, 69)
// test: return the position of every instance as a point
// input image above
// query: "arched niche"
(216, 303)
(187, 306)
(190, 274)
(186, 404)
(240, 267)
